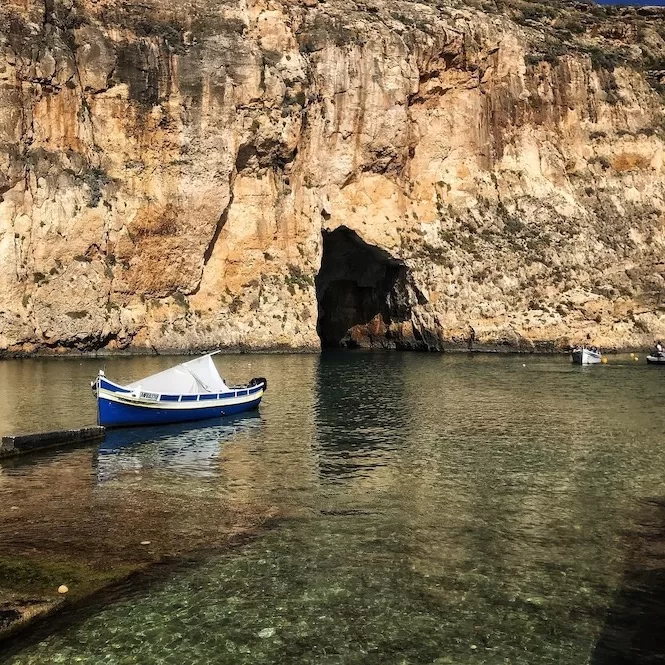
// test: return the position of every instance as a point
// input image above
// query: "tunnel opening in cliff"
(362, 294)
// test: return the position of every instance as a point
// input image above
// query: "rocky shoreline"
(542, 349)
(70, 533)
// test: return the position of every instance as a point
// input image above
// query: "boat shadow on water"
(190, 448)
(633, 630)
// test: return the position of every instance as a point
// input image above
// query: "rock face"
(273, 174)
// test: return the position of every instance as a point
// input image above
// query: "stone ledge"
(25, 443)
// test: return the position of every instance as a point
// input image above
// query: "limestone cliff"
(272, 173)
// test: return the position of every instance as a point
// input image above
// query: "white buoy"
(62, 589)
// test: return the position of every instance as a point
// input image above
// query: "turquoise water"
(431, 509)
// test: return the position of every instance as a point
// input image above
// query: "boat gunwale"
(178, 406)
(134, 398)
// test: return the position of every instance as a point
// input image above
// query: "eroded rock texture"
(172, 174)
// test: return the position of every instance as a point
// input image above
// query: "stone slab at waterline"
(172, 174)
(19, 444)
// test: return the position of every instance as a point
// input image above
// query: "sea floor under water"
(379, 508)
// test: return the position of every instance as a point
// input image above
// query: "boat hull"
(118, 406)
(656, 360)
(586, 357)
(115, 414)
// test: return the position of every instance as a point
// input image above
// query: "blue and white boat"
(192, 390)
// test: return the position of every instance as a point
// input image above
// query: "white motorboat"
(583, 356)
(656, 358)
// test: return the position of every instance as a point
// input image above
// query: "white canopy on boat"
(193, 377)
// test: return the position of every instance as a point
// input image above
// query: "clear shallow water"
(433, 509)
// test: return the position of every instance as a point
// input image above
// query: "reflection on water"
(437, 509)
(186, 449)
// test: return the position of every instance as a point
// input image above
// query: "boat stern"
(257, 381)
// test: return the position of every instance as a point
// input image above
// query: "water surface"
(431, 509)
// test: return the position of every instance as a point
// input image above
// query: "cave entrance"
(362, 292)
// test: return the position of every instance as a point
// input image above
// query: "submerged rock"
(267, 632)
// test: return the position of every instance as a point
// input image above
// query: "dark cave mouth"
(362, 294)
